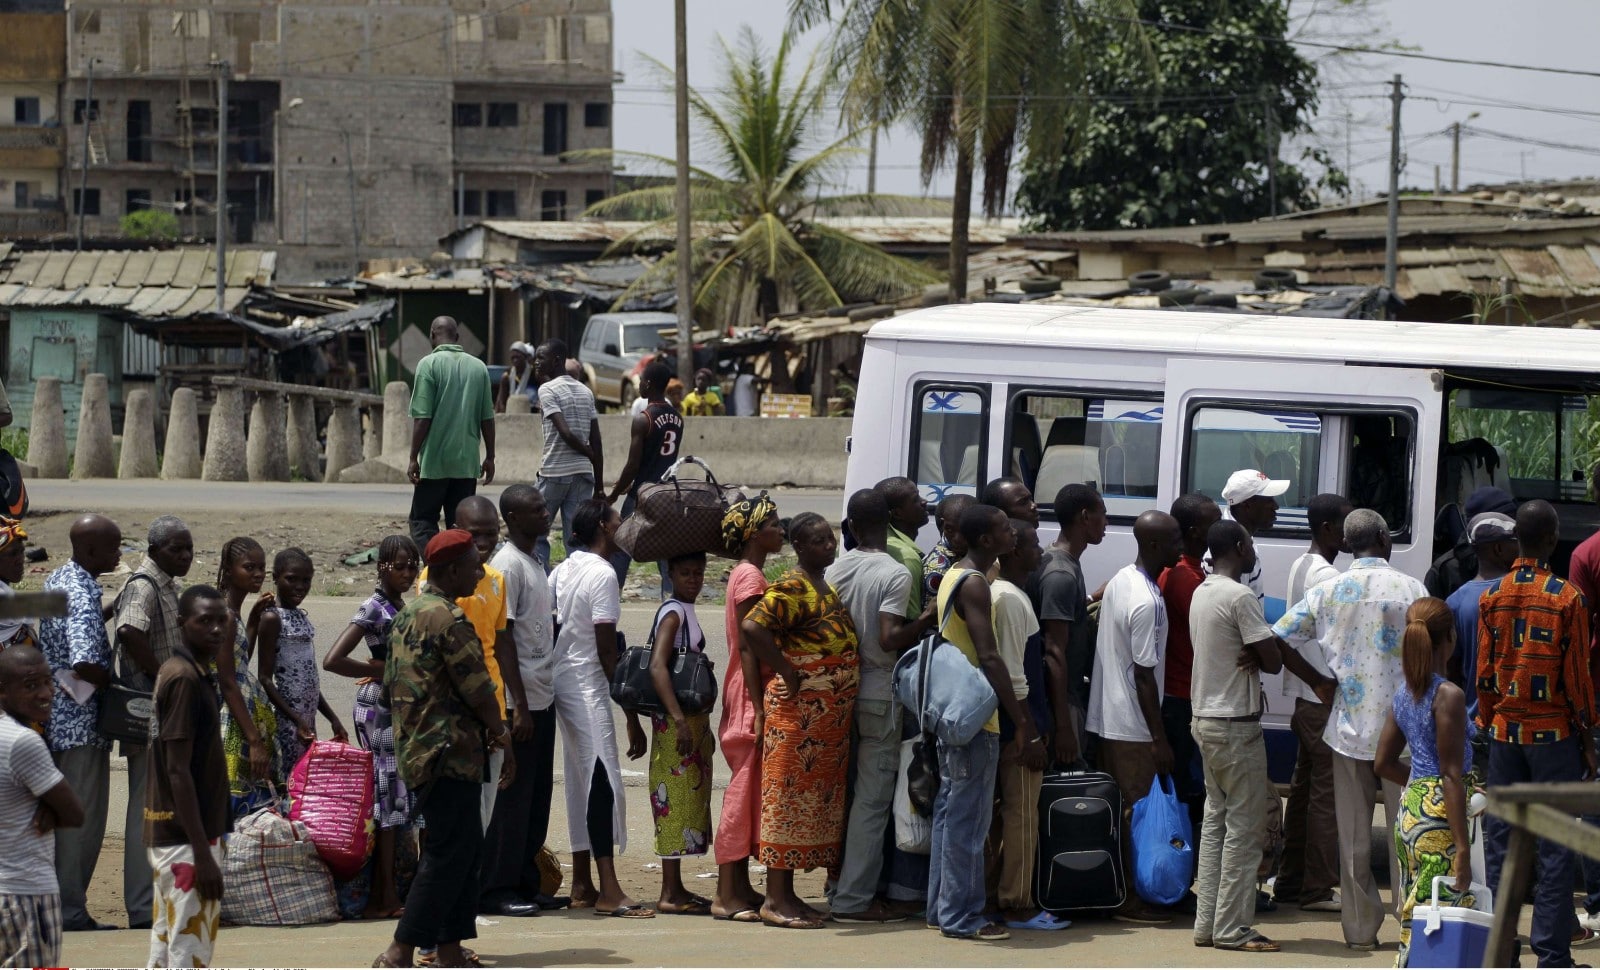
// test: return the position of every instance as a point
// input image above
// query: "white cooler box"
(1451, 936)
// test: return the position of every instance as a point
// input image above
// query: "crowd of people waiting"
(479, 649)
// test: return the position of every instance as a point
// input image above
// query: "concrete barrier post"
(138, 436)
(94, 456)
(372, 434)
(304, 453)
(225, 442)
(181, 457)
(344, 441)
(518, 404)
(397, 418)
(47, 435)
(266, 447)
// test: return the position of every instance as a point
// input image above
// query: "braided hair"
(234, 550)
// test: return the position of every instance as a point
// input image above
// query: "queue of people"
(478, 649)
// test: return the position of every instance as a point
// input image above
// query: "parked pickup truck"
(613, 345)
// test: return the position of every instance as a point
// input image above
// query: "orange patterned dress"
(806, 747)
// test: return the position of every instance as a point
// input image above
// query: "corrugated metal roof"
(176, 282)
(1310, 229)
(886, 230)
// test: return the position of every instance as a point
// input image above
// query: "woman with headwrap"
(12, 540)
(750, 528)
(518, 379)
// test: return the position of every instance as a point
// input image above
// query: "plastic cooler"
(1451, 936)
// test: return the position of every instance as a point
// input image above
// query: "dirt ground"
(328, 535)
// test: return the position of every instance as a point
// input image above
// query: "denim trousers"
(1555, 866)
(961, 816)
(562, 495)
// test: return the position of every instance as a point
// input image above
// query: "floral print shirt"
(1359, 618)
(79, 637)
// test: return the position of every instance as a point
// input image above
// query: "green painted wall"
(69, 344)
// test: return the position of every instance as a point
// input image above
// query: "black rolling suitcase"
(1080, 843)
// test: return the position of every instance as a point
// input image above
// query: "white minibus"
(1146, 405)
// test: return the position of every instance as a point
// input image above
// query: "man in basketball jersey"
(657, 437)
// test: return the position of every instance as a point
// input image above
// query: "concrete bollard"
(225, 445)
(304, 453)
(519, 404)
(344, 441)
(93, 455)
(138, 436)
(181, 458)
(372, 434)
(397, 418)
(47, 435)
(266, 448)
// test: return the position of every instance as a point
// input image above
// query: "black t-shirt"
(186, 707)
(1057, 591)
(661, 442)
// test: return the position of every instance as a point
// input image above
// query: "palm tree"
(758, 243)
(976, 77)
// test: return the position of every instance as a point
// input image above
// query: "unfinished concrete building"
(32, 145)
(355, 128)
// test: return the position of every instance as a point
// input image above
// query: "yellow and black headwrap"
(744, 519)
(11, 532)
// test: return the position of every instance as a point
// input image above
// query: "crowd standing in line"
(479, 648)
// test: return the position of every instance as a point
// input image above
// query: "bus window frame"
(1047, 512)
(985, 394)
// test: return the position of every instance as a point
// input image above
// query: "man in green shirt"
(907, 515)
(452, 406)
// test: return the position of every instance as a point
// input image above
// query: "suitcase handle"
(672, 473)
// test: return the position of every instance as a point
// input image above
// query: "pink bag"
(330, 790)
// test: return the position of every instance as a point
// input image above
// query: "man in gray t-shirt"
(875, 588)
(572, 463)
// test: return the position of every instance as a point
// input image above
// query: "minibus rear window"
(1111, 444)
(948, 438)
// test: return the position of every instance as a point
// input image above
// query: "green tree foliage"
(1187, 142)
(755, 209)
(977, 78)
(153, 224)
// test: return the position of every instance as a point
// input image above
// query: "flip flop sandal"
(635, 911)
(1044, 921)
(1256, 944)
(382, 960)
(432, 959)
(696, 907)
(746, 915)
(792, 922)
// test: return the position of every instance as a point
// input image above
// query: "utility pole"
(1349, 186)
(685, 217)
(83, 176)
(1272, 154)
(223, 68)
(872, 162)
(1391, 246)
(1455, 157)
(355, 223)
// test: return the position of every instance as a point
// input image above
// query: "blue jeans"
(961, 816)
(1555, 866)
(563, 494)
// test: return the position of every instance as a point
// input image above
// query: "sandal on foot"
(792, 922)
(1043, 920)
(382, 960)
(748, 914)
(1255, 944)
(695, 907)
(630, 911)
(431, 959)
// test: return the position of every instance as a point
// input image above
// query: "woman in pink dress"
(752, 527)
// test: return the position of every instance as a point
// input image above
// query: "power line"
(1521, 140)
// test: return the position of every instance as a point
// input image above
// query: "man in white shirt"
(509, 885)
(1309, 868)
(1125, 690)
(572, 466)
(1360, 620)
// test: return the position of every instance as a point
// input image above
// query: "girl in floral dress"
(249, 724)
(681, 745)
(287, 661)
(397, 570)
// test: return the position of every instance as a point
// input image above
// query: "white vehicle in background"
(1146, 405)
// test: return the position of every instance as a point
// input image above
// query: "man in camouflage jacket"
(446, 722)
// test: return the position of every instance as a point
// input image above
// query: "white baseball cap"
(1248, 483)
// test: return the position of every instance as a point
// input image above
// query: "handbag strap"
(683, 625)
(672, 473)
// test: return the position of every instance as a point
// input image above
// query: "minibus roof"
(1382, 342)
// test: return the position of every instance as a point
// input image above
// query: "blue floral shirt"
(79, 637)
(1359, 618)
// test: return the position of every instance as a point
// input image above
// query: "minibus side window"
(1281, 443)
(1111, 444)
(948, 438)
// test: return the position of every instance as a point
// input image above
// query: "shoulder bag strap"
(950, 604)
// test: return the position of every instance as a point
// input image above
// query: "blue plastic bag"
(1163, 858)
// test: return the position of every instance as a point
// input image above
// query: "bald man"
(80, 661)
(452, 409)
(1124, 710)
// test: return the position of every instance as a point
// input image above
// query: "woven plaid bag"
(272, 875)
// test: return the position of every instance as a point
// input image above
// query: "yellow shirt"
(486, 611)
(955, 629)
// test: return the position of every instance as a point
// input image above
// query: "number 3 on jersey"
(669, 443)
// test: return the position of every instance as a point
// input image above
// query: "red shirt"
(1584, 573)
(1177, 590)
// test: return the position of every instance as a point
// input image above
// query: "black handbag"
(126, 711)
(694, 678)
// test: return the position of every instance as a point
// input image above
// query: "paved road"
(112, 495)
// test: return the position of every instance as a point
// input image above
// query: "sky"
(1544, 33)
